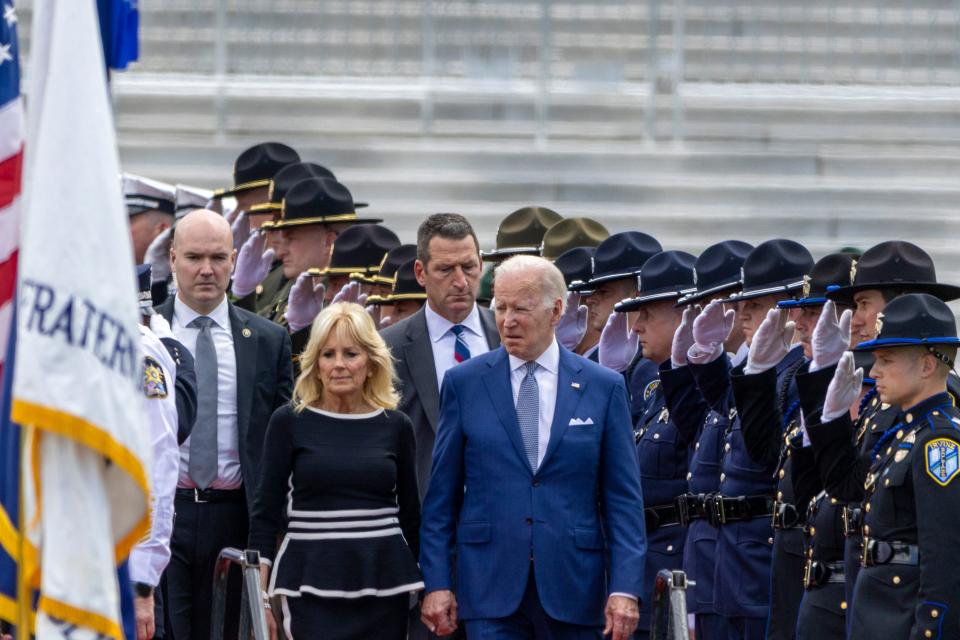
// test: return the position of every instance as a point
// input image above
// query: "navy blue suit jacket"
(490, 513)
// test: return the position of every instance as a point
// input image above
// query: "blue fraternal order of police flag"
(119, 27)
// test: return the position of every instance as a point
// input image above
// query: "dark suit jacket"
(409, 341)
(264, 382)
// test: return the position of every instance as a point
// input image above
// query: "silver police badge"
(806, 286)
(879, 326)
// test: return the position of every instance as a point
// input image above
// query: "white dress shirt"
(546, 375)
(228, 445)
(443, 340)
(149, 558)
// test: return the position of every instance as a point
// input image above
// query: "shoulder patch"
(154, 382)
(943, 460)
(650, 389)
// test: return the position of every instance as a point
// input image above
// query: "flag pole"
(24, 593)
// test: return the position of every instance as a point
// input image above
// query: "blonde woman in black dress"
(338, 481)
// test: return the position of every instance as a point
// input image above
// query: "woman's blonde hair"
(350, 323)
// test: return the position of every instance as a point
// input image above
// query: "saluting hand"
(438, 612)
(622, 614)
(771, 342)
(253, 264)
(844, 389)
(710, 330)
(573, 323)
(683, 337)
(304, 303)
(241, 229)
(618, 344)
(831, 337)
(350, 292)
(157, 256)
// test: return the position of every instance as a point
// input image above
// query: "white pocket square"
(575, 422)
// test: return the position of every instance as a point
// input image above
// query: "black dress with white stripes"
(342, 489)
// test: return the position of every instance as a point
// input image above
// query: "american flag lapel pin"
(575, 385)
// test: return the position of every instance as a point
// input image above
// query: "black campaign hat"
(622, 255)
(831, 271)
(405, 287)
(913, 319)
(256, 166)
(361, 248)
(387, 272)
(895, 264)
(284, 180)
(318, 201)
(521, 232)
(717, 269)
(775, 266)
(576, 265)
(664, 276)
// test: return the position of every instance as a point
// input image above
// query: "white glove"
(253, 264)
(844, 389)
(771, 342)
(349, 292)
(215, 205)
(683, 338)
(710, 330)
(831, 338)
(618, 345)
(304, 303)
(386, 321)
(160, 326)
(229, 212)
(373, 310)
(241, 229)
(157, 256)
(573, 323)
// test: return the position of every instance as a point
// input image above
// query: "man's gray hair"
(542, 274)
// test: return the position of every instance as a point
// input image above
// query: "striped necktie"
(528, 414)
(461, 351)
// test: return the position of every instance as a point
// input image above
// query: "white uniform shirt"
(150, 557)
(229, 475)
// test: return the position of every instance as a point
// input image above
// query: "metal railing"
(252, 615)
(668, 616)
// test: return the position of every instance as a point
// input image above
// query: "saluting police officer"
(908, 586)
(882, 273)
(717, 275)
(661, 447)
(258, 280)
(743, 508)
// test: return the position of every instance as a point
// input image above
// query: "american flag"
(11, 160)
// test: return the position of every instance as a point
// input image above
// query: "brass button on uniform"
(896, 579)
(781, 474)
(934, 613)
(900, 433)
(843, 605)
(909, 418)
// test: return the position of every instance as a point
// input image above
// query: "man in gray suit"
(448, 329)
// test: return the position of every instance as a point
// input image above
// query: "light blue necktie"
(528, 414)
(202, 465)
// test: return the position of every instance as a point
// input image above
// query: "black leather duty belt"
(691, 506)
(725, 509)
(852, 520)
(663, 515)
(785, 516)
(817, 574)
(877, 552)
(210, 495)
